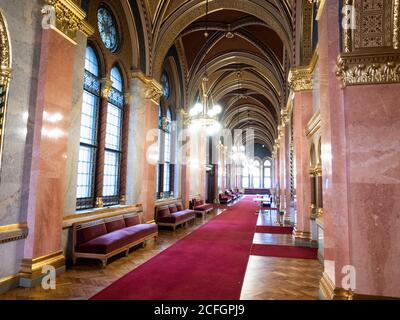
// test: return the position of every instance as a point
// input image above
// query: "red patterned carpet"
(209, 264)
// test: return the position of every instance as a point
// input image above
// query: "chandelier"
(238, 150)
(203, 116)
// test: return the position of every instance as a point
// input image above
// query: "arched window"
(88, 135)
(113, 145)
(167, 155)
(267, 174)
(256, 174)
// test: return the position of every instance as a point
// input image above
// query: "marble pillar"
(49, 152)
(143, 144)
(333, 151)
(302, 113)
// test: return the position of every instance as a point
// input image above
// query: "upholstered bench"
(201, 208)
(173, 215)
(224, 199)
(104, 238)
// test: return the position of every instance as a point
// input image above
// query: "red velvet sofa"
(201, 208)
(103, 238)
(224, 199)
(173, 215)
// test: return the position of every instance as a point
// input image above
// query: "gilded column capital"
(300, 79)
(128, 98)
(369, 68)
(67, 17)
(106, 85)
(153, 89)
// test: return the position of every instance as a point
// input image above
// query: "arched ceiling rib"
(252, 37)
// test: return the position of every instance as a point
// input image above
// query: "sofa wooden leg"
(74, 261)
(127, 252)
(144, 244)
(104, 263)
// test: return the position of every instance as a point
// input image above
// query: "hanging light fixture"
(204, 116)
(238, 150)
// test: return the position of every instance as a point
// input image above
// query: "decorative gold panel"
(69, 18)
(370, 50)
(373, 68)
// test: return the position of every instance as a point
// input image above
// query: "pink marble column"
(50, 120)
(302, 113)
(334, 149)
(149, 186)
(282, 173)
(361, 176)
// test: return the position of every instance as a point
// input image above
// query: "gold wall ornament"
(69, 18)
(153, 89)
(372, 68)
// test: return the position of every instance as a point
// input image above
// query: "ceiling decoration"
(254, 36)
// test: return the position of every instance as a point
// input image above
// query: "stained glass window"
(112, 163)
(107, 28)
(167, 155)
(88, 134)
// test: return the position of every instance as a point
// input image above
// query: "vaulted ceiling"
(249, 38)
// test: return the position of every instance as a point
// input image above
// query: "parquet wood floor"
(269, 278)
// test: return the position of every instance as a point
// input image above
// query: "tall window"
(113, 145)
(267, 174)
(245, 177)
(256, 174)
(167, 155)
(88, 136)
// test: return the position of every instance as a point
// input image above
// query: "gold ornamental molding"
(369, 68)
(5, 53)
(301, 78)
(154, 89)
(14, 232)
(69, 18)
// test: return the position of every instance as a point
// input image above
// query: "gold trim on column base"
(32, 268)
(328, 291)
(302, 235)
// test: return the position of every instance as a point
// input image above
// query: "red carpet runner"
(209, 264)
(274, 230)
